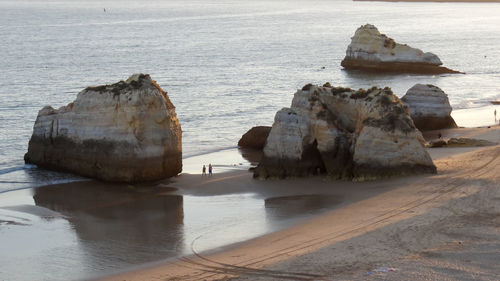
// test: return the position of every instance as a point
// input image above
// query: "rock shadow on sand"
(296, 205)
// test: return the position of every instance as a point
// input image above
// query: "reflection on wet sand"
(90, 229)
(296, 205)
(116, 224)
(251, 155)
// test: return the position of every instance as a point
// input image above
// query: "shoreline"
(347, 221)
(465, 117)
(232, 178)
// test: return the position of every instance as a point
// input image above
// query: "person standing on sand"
(204, 171)
(495, 112)
(209, 169)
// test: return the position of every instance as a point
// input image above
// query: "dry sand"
(432, 227)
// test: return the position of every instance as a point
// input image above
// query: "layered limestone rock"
(360, 135)
(126, 132)
(430, 108)
(371, 51)
(255, 137)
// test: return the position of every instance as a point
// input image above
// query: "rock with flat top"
(429, 107)
(372, 51)
(124, 132)
(347, 134)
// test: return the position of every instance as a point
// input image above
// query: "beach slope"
(441, 226)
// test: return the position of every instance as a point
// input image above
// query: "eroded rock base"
(395, 67)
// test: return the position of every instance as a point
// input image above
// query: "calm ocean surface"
(227, 65)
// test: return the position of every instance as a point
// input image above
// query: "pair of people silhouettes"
(204, 170)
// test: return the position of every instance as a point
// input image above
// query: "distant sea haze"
(227, 65)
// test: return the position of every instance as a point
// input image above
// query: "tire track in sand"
(213, 269)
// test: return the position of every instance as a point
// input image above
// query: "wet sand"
(404, 223)
(88, 229)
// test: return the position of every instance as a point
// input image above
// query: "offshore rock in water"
(371, 51)
(359, 135)
(429, 107)
(124, 132)
(255, 137)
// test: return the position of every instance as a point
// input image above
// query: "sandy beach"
(437, 227)
(150, 87)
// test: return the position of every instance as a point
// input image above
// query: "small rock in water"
(370, 50)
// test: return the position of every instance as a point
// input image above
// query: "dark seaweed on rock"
(119, 87)
(307, 87)
(339, 90)
(359, 94)
(387, 91)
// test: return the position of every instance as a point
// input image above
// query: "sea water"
(227, 65)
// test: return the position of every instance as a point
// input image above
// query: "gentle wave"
(59, 181)
(174, 19)
(36, 184)
(474, 104)
(13, 169)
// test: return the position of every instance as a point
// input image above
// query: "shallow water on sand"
(89, 229)
(227, 66)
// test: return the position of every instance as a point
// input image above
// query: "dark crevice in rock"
(310, 163)
(339, 161)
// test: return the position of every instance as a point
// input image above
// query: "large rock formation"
(371, 51)
(125, 132)
(429, 107)
(360, 135)
(255, 137)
